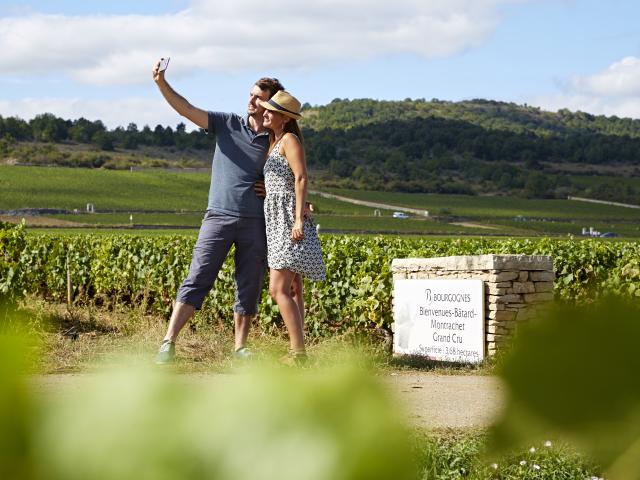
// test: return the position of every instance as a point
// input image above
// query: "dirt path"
(431, 401)
(474, 225)
(38, 221)
(442, 401)
(383, 206)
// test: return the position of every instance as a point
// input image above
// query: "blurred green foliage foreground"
(575, 374)
(571, 375)
(256, 424)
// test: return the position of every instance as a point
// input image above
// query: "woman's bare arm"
(294, 153)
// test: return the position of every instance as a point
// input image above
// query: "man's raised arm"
(178, 102)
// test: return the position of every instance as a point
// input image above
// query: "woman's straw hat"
(285, 103)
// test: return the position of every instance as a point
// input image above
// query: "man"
(234, 213)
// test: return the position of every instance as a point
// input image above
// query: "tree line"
(48, 128)
(412, 129)
(476, 146)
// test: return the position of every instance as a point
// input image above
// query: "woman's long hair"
(290, 127)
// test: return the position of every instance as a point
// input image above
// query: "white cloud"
(620, 107)
(613, 91)
(139, 110)
(241, 35)
(620, 79)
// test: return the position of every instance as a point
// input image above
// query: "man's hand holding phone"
(164, 63)
(161, 66)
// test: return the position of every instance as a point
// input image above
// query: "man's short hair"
(272, 85)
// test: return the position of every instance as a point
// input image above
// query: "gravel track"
(430, 400)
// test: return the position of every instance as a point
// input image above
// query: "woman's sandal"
(295, 359)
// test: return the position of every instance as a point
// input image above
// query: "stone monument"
(514, 286)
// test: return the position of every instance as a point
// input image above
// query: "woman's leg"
(298, 296)
(280, 290)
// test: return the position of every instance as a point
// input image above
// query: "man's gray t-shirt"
(237, 165)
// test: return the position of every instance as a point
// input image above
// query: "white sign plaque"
(439, 319)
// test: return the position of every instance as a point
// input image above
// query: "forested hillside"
(473, 147)
(489, 114)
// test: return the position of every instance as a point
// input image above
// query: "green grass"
(69, 188)
(346, 223)
(538, 227)
(106, 332)
(110, 231)
(388, 224)
(458, 454)
(495, 207)
(143, 193)
(328, 206)
(354, 223)
(170, 219)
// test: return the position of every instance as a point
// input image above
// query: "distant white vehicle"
(400, 215)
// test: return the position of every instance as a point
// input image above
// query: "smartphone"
(164, 63)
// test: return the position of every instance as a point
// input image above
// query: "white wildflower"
(494, 466)
(548, 444)
(535, 466)
(523, 462)
(532, 450)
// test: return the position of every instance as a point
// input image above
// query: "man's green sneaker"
(167, 353)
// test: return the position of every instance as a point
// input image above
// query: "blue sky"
(93, 59)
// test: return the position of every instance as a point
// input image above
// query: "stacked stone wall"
(514, 286)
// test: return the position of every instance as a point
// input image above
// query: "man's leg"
(242, 325)
(182, 312)
(213, 244)
(251, 259)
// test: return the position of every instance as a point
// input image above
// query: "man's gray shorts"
(217, 233)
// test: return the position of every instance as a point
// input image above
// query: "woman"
(293, 247)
